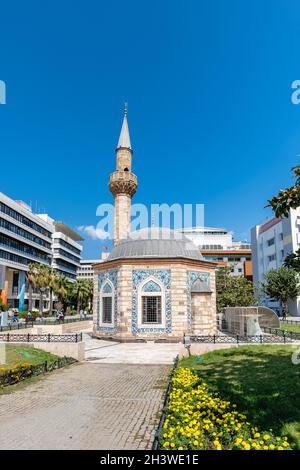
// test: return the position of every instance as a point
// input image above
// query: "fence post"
(76, 340)
(28, 337)
(284, 336)
(214, 339)
(49, 336)
(237, 339)
(8, 337)
(261, 338)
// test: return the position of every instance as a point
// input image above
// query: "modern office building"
(271, 243)
(216, 244)
(86, 269)
(66, 251)
(25, 238)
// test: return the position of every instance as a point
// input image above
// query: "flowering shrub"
(13, 375)
(198, 419)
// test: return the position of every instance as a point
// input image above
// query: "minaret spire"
(123, 183)
(124, 139)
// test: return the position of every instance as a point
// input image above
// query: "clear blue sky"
(208, 85)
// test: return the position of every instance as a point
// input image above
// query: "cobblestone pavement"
(85, 406)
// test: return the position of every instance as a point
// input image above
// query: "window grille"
(107, 309)
(151, 308)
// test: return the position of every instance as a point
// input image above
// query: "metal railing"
(290, 322)
(237, 339)
(155, 445)
(30, 324)
(279, 332)
(43, 338)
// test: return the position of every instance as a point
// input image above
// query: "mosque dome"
(155, 242)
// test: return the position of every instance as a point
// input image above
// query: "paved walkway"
(110, 352)
(85, 406)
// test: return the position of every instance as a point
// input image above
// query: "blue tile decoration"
(112, 276)
(107, 289)
(192, 276)
(151, 286)
(164, 276)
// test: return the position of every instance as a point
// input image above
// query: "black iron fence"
(279, 332)
(290, 322)
(18, 374)
(238, 339)
(43, 338)
(155, 445)
(20, 325)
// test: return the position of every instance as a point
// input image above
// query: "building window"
(107, 309)
(151, 306)
(271, 241)
(106, 304)
(271, 258)
(151, 303)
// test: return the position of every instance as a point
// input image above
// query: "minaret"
(123, 183)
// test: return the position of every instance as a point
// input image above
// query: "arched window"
(106, 304)
(151, 303)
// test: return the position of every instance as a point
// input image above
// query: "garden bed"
(24, 362)
(262, 381)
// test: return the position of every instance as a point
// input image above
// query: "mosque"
(153, 285)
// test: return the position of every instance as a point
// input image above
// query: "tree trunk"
(29, 296)
(78, 305)
(50, 302)
(41, 302)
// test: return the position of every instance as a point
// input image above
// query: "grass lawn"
(261, 380)
(16, 354)
(290, 327)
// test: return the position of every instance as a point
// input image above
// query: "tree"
(288, 198)
(281, 204)
(53, 284)
(82, 292)
(63, 287)
(281, 284)
(233, 291)
(31, 276)
(42, 281)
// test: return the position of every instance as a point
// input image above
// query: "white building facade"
(86, 269)
(24, 239)
(27, 238)
(216, 244)
(271, 243)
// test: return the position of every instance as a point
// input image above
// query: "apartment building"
(272, 241)
(216, 244)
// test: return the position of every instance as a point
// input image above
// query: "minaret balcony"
(123, 182)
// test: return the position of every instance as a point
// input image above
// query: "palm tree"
(62, 287)
(90, 289)
(43, 283)
(32, 276)
(81, 292)
(53, 284)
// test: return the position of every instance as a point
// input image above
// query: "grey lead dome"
(155, 243)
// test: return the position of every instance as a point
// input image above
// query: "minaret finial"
(125, 108)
